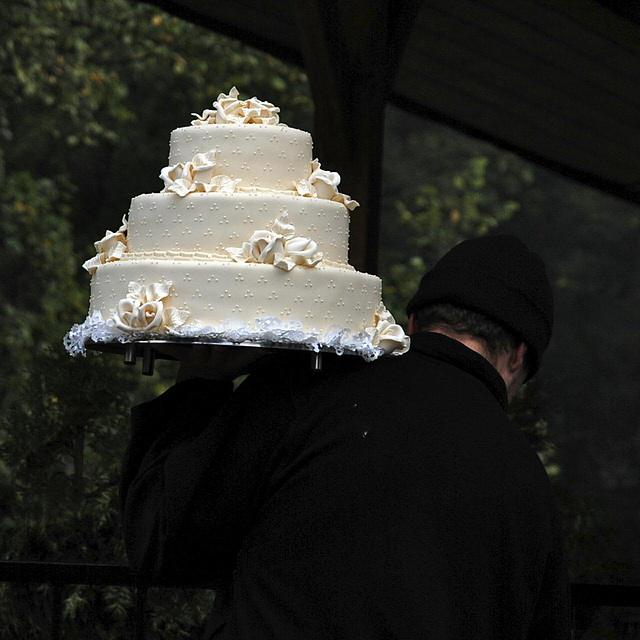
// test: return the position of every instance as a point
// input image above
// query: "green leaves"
(89, 94)
(454, 203)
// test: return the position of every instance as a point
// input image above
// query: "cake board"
(149, 350)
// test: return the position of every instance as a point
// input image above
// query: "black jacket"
(385, 500)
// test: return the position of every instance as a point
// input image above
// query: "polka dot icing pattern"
(211, 222)
(215, 292)
(267, 156)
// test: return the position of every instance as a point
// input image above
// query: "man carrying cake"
(368, 500)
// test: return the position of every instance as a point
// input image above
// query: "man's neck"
(468, 341)
(512, 379)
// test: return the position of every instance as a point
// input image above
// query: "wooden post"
(351, 52)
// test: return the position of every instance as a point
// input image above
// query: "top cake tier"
(262, 156)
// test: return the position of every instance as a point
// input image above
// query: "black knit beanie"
(499, 277)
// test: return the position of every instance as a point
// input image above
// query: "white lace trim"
(268, 330)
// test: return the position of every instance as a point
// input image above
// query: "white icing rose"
(297, 250)
(112, 240)
(143, 310)
(392, 339)
(208, 117)
(177, 178)
(196, 175)
(202, 166)
(135, 317)
(383, 314)
(150, 315)
(344, 199)
(324, 184)
(306, 189)
(126, 316)
(282, 226)
(303, 251)
(227, 109)
(389, 336)
(263, 246)
(110, 248)
(278, 246)
(92, 264)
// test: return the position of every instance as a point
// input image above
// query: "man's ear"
(516, 358)
(412, 324)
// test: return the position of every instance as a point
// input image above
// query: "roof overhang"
(556, 80)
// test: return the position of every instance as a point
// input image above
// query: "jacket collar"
(441, 347)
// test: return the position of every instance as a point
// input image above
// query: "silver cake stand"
(150, 350)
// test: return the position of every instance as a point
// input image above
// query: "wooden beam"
(351, 52)
(553, 80)
(245, 21)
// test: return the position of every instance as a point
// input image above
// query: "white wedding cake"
(247, 242)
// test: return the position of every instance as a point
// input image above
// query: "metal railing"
(57, 574)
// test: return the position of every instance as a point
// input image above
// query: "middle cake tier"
(209, 223)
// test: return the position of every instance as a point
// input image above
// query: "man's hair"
(448, 317)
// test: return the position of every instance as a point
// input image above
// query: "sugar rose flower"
(178, 178)
(228, 109)
(112, 241)
(282, 226)
(110, 248)
(303, 251)
(344, 199)
(389, 336)
(150, 315)
(262, 246)
(278, 246)
(297, 250)
(126, 316)
(143, 310)
(202, 166)
(324, 184)
(392, 339)
(195, 175)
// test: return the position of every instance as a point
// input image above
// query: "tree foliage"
(89, 94)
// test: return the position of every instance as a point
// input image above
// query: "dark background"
(89, 93)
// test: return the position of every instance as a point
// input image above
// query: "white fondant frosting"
(248, 241)
(213, 292)
(210, 222)
(261, 155)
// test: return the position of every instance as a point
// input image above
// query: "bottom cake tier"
(319, 308)
(213, 293)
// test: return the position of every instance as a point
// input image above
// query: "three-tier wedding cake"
(247, 242)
